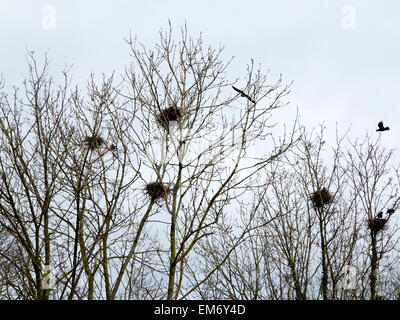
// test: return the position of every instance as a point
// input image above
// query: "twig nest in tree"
(376, 224)
(320, 198)
(157, 190)
(167, 115)
(93, 142)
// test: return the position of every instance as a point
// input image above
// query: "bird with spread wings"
(243, 94)
(381, 127)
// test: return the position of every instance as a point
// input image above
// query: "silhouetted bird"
(243, 94)
(379, 215)
(390, 211)
(381, 127)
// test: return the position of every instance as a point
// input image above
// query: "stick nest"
(376, 224)
(94, 142)
(169, 114)
(157, 190)
(320, 198)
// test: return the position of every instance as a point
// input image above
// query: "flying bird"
(243, 94)
(379, 215)
(381, 127)
(390, 211)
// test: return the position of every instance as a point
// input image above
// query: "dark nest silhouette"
(320, 198)
(376, 224)
(157, 190)
(165, 116)
(94, 142)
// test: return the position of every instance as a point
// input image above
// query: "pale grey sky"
(342, 55)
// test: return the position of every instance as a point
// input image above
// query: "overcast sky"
(342, 55)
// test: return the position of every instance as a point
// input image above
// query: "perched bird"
(379, 215)
(243, 94)
(381, 127)
(390, 211)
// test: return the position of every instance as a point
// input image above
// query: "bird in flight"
(379, 215)
(243, 94)
(381, 127)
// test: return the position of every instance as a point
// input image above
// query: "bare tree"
(311, 226)
(115, 186)
(30, 156)
(204, 138)
(173, 182)
(374, 181)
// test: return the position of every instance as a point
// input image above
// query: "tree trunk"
(324, 280)
(374, 265)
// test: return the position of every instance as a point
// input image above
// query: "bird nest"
(164, 117)
(93, 142)
(376, 224)
(157, 190)
(320, 198)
